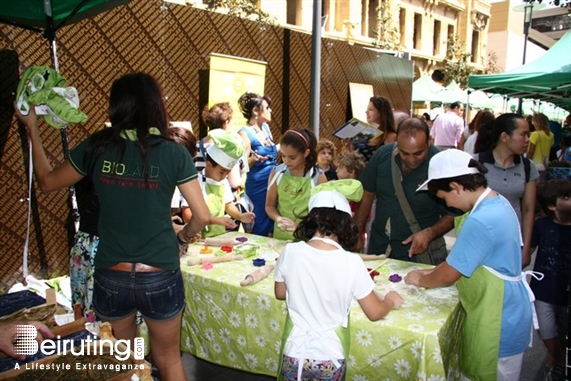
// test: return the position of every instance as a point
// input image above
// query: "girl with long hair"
(135, 167)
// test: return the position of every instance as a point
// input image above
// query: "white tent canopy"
(452, 93)
(424, 89)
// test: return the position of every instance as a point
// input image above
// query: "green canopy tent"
(47, 16)
(548, 78)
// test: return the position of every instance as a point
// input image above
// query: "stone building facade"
(420, 28)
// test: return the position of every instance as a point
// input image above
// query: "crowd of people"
(481, 178)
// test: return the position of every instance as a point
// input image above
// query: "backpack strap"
(480, 159)
(524, 160)
(526, 167)
(201, 148)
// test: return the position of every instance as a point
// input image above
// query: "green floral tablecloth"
(241, 327)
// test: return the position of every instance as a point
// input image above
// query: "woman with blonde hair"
(540, 143)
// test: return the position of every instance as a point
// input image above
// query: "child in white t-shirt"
(319, 278)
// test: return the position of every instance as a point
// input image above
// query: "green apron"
(294, 194)
(482, 297)
(214, 196)
(341, 332)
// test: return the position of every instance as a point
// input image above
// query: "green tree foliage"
(492, 66)
(241, 8)
(387, 36)
(560, 3)
(457, 63)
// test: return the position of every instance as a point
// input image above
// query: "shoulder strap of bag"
(436, 251)
(397, 183)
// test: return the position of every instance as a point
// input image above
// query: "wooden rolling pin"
(220, 241)
(225, 258)
(256, 276)
(372, 257)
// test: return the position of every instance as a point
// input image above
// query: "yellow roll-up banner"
(230, 77)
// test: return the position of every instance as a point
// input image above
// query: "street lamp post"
(527, 16)
(528, 12)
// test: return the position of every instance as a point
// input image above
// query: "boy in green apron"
(485, 263)
(221, 157)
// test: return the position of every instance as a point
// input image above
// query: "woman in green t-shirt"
(135, 167)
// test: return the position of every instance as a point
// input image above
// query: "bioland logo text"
(26, 344)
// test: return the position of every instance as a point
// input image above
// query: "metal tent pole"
(50, 34)
(315, 87)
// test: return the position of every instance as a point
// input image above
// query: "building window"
(449, 35)
(475, 46)
(370, 14)
(436, 38)
(325, 12)
(417, 33)
(342, 16)
(402, 27)
(294, 12)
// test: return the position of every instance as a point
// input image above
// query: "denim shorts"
(156, 295)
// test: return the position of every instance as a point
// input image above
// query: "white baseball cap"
(447, 164)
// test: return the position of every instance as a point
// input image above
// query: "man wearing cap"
(221, 156)
(404, 163)
(485, 264)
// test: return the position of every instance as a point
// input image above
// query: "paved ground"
(200, 370)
